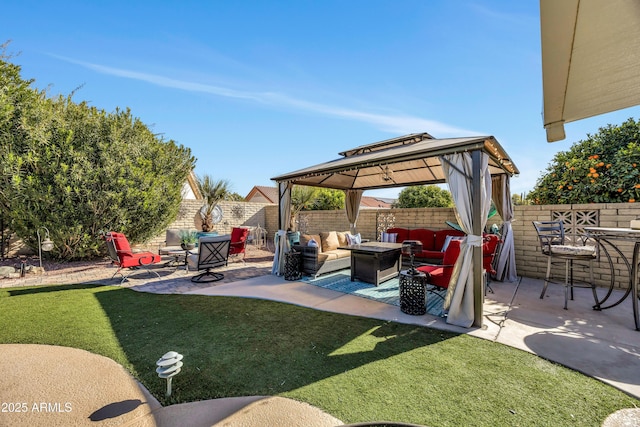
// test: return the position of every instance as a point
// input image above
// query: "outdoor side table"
(292, 266)
(413, 293)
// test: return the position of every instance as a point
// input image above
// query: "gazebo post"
(477, 231)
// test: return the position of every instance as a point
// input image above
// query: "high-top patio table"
(375, 262)
(609, 237)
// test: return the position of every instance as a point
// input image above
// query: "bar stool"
(552, 244)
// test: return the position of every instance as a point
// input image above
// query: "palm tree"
(302, 197)
(212, 191)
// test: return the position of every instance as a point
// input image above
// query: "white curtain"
(506, 267)
(280, 241)
(458, 172)
(352, 206)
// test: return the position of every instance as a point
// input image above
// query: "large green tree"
(424, 196)
(600, 169)
(328, 199)
(303, 197)
(16, 98)
(78, 170)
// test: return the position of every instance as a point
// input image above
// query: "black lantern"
(411, 248)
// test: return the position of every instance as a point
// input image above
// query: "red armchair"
(438, 276)
(238, 242)
(121, 255)
(490, 246)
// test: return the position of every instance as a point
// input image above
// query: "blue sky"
(261, 88)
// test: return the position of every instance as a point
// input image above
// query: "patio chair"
(553, 246)
(121, 255)
(438, 276)
(213, 252)
(490, 248)
(238, 242)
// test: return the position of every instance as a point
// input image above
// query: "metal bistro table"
(607, 237)
(181, 258)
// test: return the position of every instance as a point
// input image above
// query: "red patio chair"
(438, 276)
(490, 248)
(238, 242)
(121, 255)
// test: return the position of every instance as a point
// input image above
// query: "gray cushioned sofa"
(326, 257)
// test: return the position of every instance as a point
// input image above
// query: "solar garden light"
(43, 245)
(169, 365)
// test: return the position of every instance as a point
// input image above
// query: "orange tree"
(604, 168)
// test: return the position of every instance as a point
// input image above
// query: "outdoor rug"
(388, 292)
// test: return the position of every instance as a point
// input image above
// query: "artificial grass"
(355, 368)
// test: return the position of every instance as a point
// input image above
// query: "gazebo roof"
(408, 160)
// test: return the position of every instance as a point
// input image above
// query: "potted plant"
(188, 239)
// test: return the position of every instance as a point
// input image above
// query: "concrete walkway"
(602, 344)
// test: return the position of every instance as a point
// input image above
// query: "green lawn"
(354, 368)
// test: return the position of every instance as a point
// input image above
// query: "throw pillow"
(306, 238)
(329, 241)
(354, 239)
(342, 238)
(448, 240)
(389, 237)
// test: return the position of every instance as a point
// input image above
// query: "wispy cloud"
(501, 16)
(388, 122)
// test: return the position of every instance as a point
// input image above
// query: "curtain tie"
(473, 240)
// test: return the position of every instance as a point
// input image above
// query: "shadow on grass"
(45, 289)
(247, 347)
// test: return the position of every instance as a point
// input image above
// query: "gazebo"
(476, 169)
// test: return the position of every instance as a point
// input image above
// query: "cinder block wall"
(433, 218)
(234, 214)
(530, 262)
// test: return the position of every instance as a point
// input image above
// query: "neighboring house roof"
(263, 194)
(375, 202)
(190, 189)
